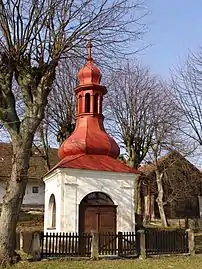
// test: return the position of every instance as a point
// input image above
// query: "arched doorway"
(97, 213)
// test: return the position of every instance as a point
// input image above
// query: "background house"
(181, 184)
(34, 194)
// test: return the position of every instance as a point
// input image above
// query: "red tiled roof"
(170, 160)
(94, 162)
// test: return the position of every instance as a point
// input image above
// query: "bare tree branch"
(131, 95)
(187, 85)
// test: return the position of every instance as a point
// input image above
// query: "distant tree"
(34, 37)
(131, 95)
(59, 117)
(61, 109)
(187, 85)
(140, 115)
(165, 137)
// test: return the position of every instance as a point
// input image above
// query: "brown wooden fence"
(122, 244)
(65, 244)
(128, 244)
(107, 244)
(166, 241)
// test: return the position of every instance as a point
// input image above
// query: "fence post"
(35, 247)
(191, 245)
(21, 241)
(120, 244)
(142, 244)
(94, 246)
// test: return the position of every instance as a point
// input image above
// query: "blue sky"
(175, 27)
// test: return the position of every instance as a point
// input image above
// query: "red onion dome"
(89, 137)
(89, 74)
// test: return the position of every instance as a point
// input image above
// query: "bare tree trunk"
(137, 203)
(160, 199)
(13, 198)
(137, 186)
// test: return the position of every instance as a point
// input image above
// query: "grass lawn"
(151, 263)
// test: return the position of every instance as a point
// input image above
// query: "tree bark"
(137, 187)
(137, 204)
(160, 199)
(13, 198)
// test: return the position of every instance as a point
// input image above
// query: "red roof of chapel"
(89, 146)
(95, 163)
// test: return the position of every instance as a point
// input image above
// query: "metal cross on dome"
(89, 49)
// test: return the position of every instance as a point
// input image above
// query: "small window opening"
(35, 189)
(79, 108)
(100, 104)
(87, 102)
(96, 103)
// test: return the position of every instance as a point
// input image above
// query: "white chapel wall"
(120, 187)
(53, 187)
(75, 184)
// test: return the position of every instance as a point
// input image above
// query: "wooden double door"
(97, 218)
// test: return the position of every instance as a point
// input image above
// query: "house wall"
(34, 198)
(70, 186)
(188, 208)
(30, 197)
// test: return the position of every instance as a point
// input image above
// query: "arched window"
(87, 102)
(100, 104)
(97, 198)
(96, 103)
(79, 108)
(52, 212)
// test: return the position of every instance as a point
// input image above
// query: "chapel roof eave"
(94, 163)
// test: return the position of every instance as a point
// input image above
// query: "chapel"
(89, 190)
